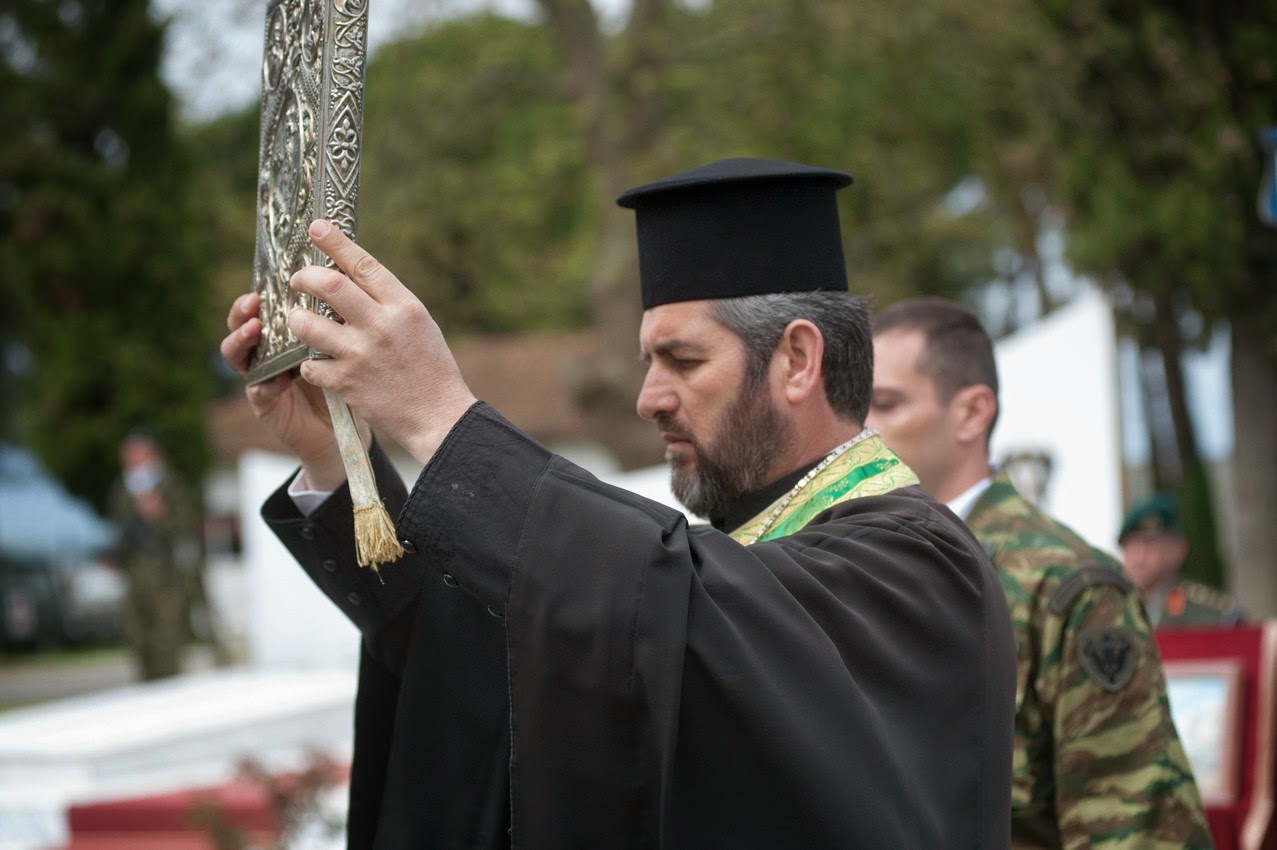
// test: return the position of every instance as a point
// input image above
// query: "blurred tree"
(494, 150)
(888, 97)
(476, 189)
(1156, 107)
(97, 239)
(619, 87)
(1014, 101)
(859, 86)
(224, 188)
(473, 187)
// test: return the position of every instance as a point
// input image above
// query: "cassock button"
(408, 546)
(451, 580)
(329, 565)
(353, 598)
(308, 532)
(496, 612)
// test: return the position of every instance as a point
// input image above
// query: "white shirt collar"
(964, 502)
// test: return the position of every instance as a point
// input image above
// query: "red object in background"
(1245, 822)
(181, 820)
(170, 821)
(143, 841)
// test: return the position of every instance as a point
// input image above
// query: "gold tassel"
(375, 540)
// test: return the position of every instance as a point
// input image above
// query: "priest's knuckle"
(357, 350)
(366, 267)
(418, 318)
(333, 285)
(299, 322)
(342, 378)
(381, 332)
(326, 368)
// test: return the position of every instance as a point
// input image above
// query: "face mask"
(143, 479)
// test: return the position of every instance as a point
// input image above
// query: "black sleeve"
(379, 603)
(377, 694)
(432, 720)
(850, 686)
(645, 684)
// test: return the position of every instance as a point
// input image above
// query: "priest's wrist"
(325, 473)
(432, 429)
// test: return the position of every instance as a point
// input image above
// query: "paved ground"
(29, 679)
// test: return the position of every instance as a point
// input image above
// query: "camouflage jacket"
(1097, 760)
(171, 543)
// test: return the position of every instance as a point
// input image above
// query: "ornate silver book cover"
(311, 129)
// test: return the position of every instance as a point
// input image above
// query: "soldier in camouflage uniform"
(1097, 762)
(1153, 550)
(159, 552)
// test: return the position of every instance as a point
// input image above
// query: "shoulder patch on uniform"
(1068, 590)
(1108, 655)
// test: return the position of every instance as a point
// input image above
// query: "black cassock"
(559, 663)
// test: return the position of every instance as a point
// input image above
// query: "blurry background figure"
(160, 553)
(1154, 549)
(1030, 472)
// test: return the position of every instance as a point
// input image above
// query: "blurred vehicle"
(55, 585)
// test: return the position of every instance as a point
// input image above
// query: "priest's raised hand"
(292, 409)
(388, 361)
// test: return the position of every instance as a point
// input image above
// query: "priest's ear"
(972, 412)
(796, 362)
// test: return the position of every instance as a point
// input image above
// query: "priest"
(558, 663)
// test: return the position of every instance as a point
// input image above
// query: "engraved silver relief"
(308, 167)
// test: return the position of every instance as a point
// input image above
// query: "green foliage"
(474, 184)
(1156, 110)
(1158, 162)
(485, 176)
(473, 187)
(476, 188)
(886, 96)
(96, 240)
(225, 186)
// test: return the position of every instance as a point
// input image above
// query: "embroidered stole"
(867, 468)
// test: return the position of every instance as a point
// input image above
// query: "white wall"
(1059, 395)
(290, 624)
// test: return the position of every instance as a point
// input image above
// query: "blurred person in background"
(1098, 762)
(160, 553)
(1154, 549)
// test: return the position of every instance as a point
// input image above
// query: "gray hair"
(842, 319)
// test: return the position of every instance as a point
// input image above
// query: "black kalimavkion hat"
(739, 227)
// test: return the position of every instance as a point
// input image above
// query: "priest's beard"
(736, 459)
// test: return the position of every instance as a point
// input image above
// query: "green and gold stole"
(863, 466)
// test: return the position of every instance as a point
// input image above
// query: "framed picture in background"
(1205, 697)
